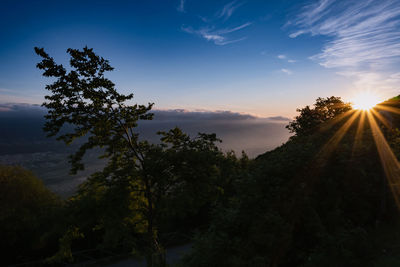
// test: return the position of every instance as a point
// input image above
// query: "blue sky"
(266, 58)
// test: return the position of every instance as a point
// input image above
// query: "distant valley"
(23, 142)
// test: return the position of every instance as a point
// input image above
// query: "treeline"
(321, 199)
(188, 179)
(191, 177)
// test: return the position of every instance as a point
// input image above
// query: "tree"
(28, 212)
(195, 164)
(311, 118)
(86, 100)
(188, 177)
(143, 185)
(298, 207)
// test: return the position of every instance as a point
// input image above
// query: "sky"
(264, 58)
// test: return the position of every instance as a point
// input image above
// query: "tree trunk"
(156, 255)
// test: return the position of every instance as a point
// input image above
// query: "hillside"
(318, 200)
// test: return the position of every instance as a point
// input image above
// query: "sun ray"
(327, 126)
(337, 137)
(389, 161)
(360, 129)
(388, 108)
(381, 118)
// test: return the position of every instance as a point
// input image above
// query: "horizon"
(247, 57)
(257, 135)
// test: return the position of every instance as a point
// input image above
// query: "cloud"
(279, 118)
(364, 38)
(217, 36)
(214, 28)
(181, 7)
(295, 34)
(238, 131)
(21, 109)
(284, 57)
(287, 71)
(228, 9)
(206, 115)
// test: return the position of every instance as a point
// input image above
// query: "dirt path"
(173, 255)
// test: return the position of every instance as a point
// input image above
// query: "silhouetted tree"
(85, 99)
(311, 118)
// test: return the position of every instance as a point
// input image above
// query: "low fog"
(22, 129)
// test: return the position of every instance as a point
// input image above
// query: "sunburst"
(365, 100)
(368, 111)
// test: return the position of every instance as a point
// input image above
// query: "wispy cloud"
(284, 57)
(364, 38)
(181, 6)
(214, 28)
(216, 36)
(228, 9)
(287, 71)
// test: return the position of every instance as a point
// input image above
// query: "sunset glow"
(365, 100)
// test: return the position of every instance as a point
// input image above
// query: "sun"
(365, 100)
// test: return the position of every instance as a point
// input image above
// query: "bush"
(28, 211)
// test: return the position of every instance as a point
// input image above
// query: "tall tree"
(82, 97)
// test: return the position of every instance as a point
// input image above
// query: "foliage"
(85, 99)
(307, 204)
(203, 176)
(64, 253)
(28, 214)
(191, 175)
(144, 187)
(319, 199)
(310, 119)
